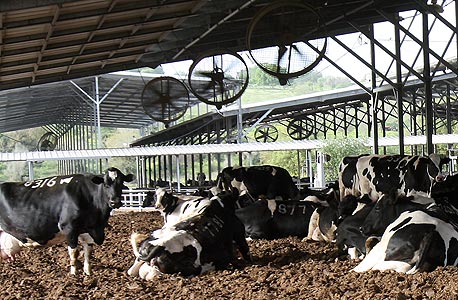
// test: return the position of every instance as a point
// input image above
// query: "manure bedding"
(287, 268)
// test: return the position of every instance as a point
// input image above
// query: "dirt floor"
(283, 269)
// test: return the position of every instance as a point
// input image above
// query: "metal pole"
(30, 165)
(177, 160)
(374, 95)
(428, 89)
(399, 87)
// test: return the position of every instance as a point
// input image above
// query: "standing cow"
(50, 210)
(264, 181)
(375, 175)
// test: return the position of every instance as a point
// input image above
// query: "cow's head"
(149, 199)
(113, 184)
(386, 210)
(163, 200)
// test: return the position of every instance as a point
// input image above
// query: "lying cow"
(174, 208)
(265, 181)
(348, 234)
(50, 210)
(376, 175)
(418, 240)
(386, 210)
(193, 246)
(271, 219)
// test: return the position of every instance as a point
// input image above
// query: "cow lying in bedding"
(419, 240)
(193, 246)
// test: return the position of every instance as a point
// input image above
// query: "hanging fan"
(165, 99)
(47, 142)
(300, 129)
(291, 27)
(266, 133)
(218, 77)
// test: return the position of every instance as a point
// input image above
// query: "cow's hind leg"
(87, 242)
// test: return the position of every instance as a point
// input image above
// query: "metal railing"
(134, 198)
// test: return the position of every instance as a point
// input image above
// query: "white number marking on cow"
(49, 182)
(65, 180)
(292, 210)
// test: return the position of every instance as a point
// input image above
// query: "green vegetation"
(337, 149)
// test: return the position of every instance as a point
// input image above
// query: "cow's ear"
(97, 180)
(128, 177)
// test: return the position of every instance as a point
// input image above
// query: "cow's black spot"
(452, 251)
(405, 221)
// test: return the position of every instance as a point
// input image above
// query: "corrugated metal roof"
(52, 40)
(206, 149)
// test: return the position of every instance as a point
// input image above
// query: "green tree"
(339, 148)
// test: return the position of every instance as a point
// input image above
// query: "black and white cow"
(375, 175)
(352, 214)
(387, 209)
(193, 246)
(265, 181)
(174, 208)
(271, 219)
(418, 240)
(347, 175)
(67, 208)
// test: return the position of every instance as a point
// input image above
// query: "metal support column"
(399, 86)
(428, 88)
(374, 96)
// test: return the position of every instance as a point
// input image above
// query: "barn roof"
(46, 41)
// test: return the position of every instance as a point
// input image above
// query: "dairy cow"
(379, 174)
(67, 208)
(265, 181)
(418, 240)
(347, 175)
(387, 209)
(271, 219)
(351, 217)
(192, 246)
(174, 208)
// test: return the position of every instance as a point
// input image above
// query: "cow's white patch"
(9, 246)
(274, 171)
(214, 190)
(359, 206)
(113, 175)
(313, 224)
(272, 206)
(239, 185)
(315, 199)
(134, 270)
(174, 241)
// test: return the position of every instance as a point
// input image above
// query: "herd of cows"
(393, 212)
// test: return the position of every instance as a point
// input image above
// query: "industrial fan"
(218, 77)
(47, 142)
(266, 133)
(300, 128)
(294, 27)
(165, 99)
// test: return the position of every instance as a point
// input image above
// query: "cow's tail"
(135, 239)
